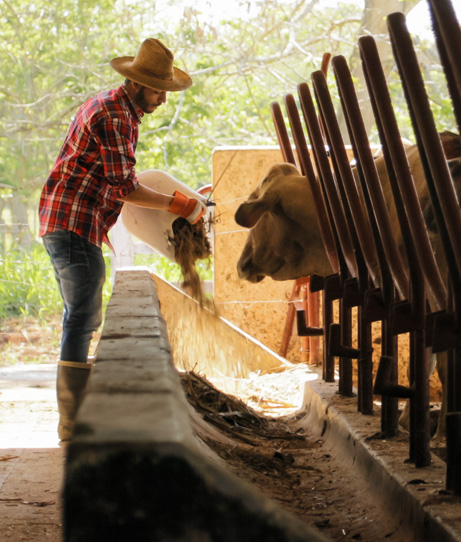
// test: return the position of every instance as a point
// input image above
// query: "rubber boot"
(70, 384)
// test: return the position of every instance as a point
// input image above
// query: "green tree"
(48, 68)
(54, 56)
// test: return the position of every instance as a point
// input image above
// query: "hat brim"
(124, 66)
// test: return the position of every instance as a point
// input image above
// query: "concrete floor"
(31, 458)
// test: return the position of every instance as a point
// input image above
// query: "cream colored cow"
(284, 240)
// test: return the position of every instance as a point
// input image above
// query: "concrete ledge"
(134, 471)
(416, 496)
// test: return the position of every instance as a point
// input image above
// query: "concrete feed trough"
(135, 469)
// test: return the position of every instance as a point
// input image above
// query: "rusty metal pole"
(393, 274)
(306, 168)
(305, 352)
(441, 188)
(314, 321)
(406, 202)
(345, 363)
(289, 321)
(282, 134)
(328, 370)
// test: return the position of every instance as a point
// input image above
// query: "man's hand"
(189, 208)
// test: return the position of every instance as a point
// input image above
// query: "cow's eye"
(277, 209)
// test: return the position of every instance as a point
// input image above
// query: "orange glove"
(189, 208)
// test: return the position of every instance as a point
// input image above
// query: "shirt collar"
(137, 112)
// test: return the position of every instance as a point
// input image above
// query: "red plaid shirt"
(95, 167)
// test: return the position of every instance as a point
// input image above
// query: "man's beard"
(141, 102)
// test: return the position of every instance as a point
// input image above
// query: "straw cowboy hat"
(152, 67)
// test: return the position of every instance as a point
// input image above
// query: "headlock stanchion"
(317, 283)
(393, 277)
(396, 281)
(338, 342)
(368, 273)
(306, 168)
(446, 210)
(409, 315)
(448, 40)
(335, 285)
(330, 284)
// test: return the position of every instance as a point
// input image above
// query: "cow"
(284, 240)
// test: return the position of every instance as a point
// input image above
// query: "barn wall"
(259, 309)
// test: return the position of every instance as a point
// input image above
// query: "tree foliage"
(55, 55)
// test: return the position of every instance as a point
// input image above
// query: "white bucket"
(154, 226)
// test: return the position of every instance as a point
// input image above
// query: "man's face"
(148, 99)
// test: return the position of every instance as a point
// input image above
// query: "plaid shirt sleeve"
(117, 155)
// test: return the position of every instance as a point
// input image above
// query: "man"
(93, 176)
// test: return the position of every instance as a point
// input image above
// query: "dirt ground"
(259, 437)
(284, 461)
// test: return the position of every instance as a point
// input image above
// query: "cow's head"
(284, 240)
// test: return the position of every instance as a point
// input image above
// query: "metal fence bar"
(444, 202)
(413, 229)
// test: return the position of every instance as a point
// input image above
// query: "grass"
(31, 306)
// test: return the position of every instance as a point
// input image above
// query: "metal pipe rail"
(446, 209)
(394, 279)
(448, 40)
(351, 276)
(370, 273)
(414, 231)
(328, 234)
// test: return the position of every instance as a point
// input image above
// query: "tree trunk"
(20, 222)
(374, 23)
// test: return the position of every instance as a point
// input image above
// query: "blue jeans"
(80, 270)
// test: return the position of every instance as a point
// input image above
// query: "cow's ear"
(248, 214)
(451, 144)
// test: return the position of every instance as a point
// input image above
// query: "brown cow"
(284, 240)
